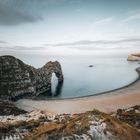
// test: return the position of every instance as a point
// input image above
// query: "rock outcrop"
(18, 79)
(8, 108)
(90, 66)
(134, 57)
(130, 115)
(91, 125)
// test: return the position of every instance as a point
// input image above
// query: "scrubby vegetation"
(89, 125)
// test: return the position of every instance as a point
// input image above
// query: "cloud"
(132, 17)
(22, 48)
(135, 11)
(2, 42)
(13, 12)
(27, 48)
(101, 42)
(104, 20)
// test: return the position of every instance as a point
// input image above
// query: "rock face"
(134, 57)
(18, 79)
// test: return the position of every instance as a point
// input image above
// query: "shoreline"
(109, 101)
(98, 94)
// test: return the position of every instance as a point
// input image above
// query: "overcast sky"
(40, 23)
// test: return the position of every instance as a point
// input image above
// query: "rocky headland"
(18, 79)
(134, 57)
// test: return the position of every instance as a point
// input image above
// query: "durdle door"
(18, 79)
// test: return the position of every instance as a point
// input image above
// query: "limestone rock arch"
(19, 79)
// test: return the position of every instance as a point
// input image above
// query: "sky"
(40, 24)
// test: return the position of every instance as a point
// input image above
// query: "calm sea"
(110, 70)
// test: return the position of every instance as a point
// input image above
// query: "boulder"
(18, 79)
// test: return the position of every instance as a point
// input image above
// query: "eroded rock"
(134, 57)
(130, 115)
(91, 125)
(18, 79)
(8, 108)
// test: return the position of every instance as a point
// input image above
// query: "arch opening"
(56, 85)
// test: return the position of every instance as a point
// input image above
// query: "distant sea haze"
(78, 48)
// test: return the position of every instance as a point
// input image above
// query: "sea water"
(110, 70)
(81, 80)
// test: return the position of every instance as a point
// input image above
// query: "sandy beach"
(108, 102)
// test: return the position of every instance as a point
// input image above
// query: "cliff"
(18, 79)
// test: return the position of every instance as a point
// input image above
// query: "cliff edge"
(91, 125)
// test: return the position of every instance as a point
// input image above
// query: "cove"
(81, 80)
